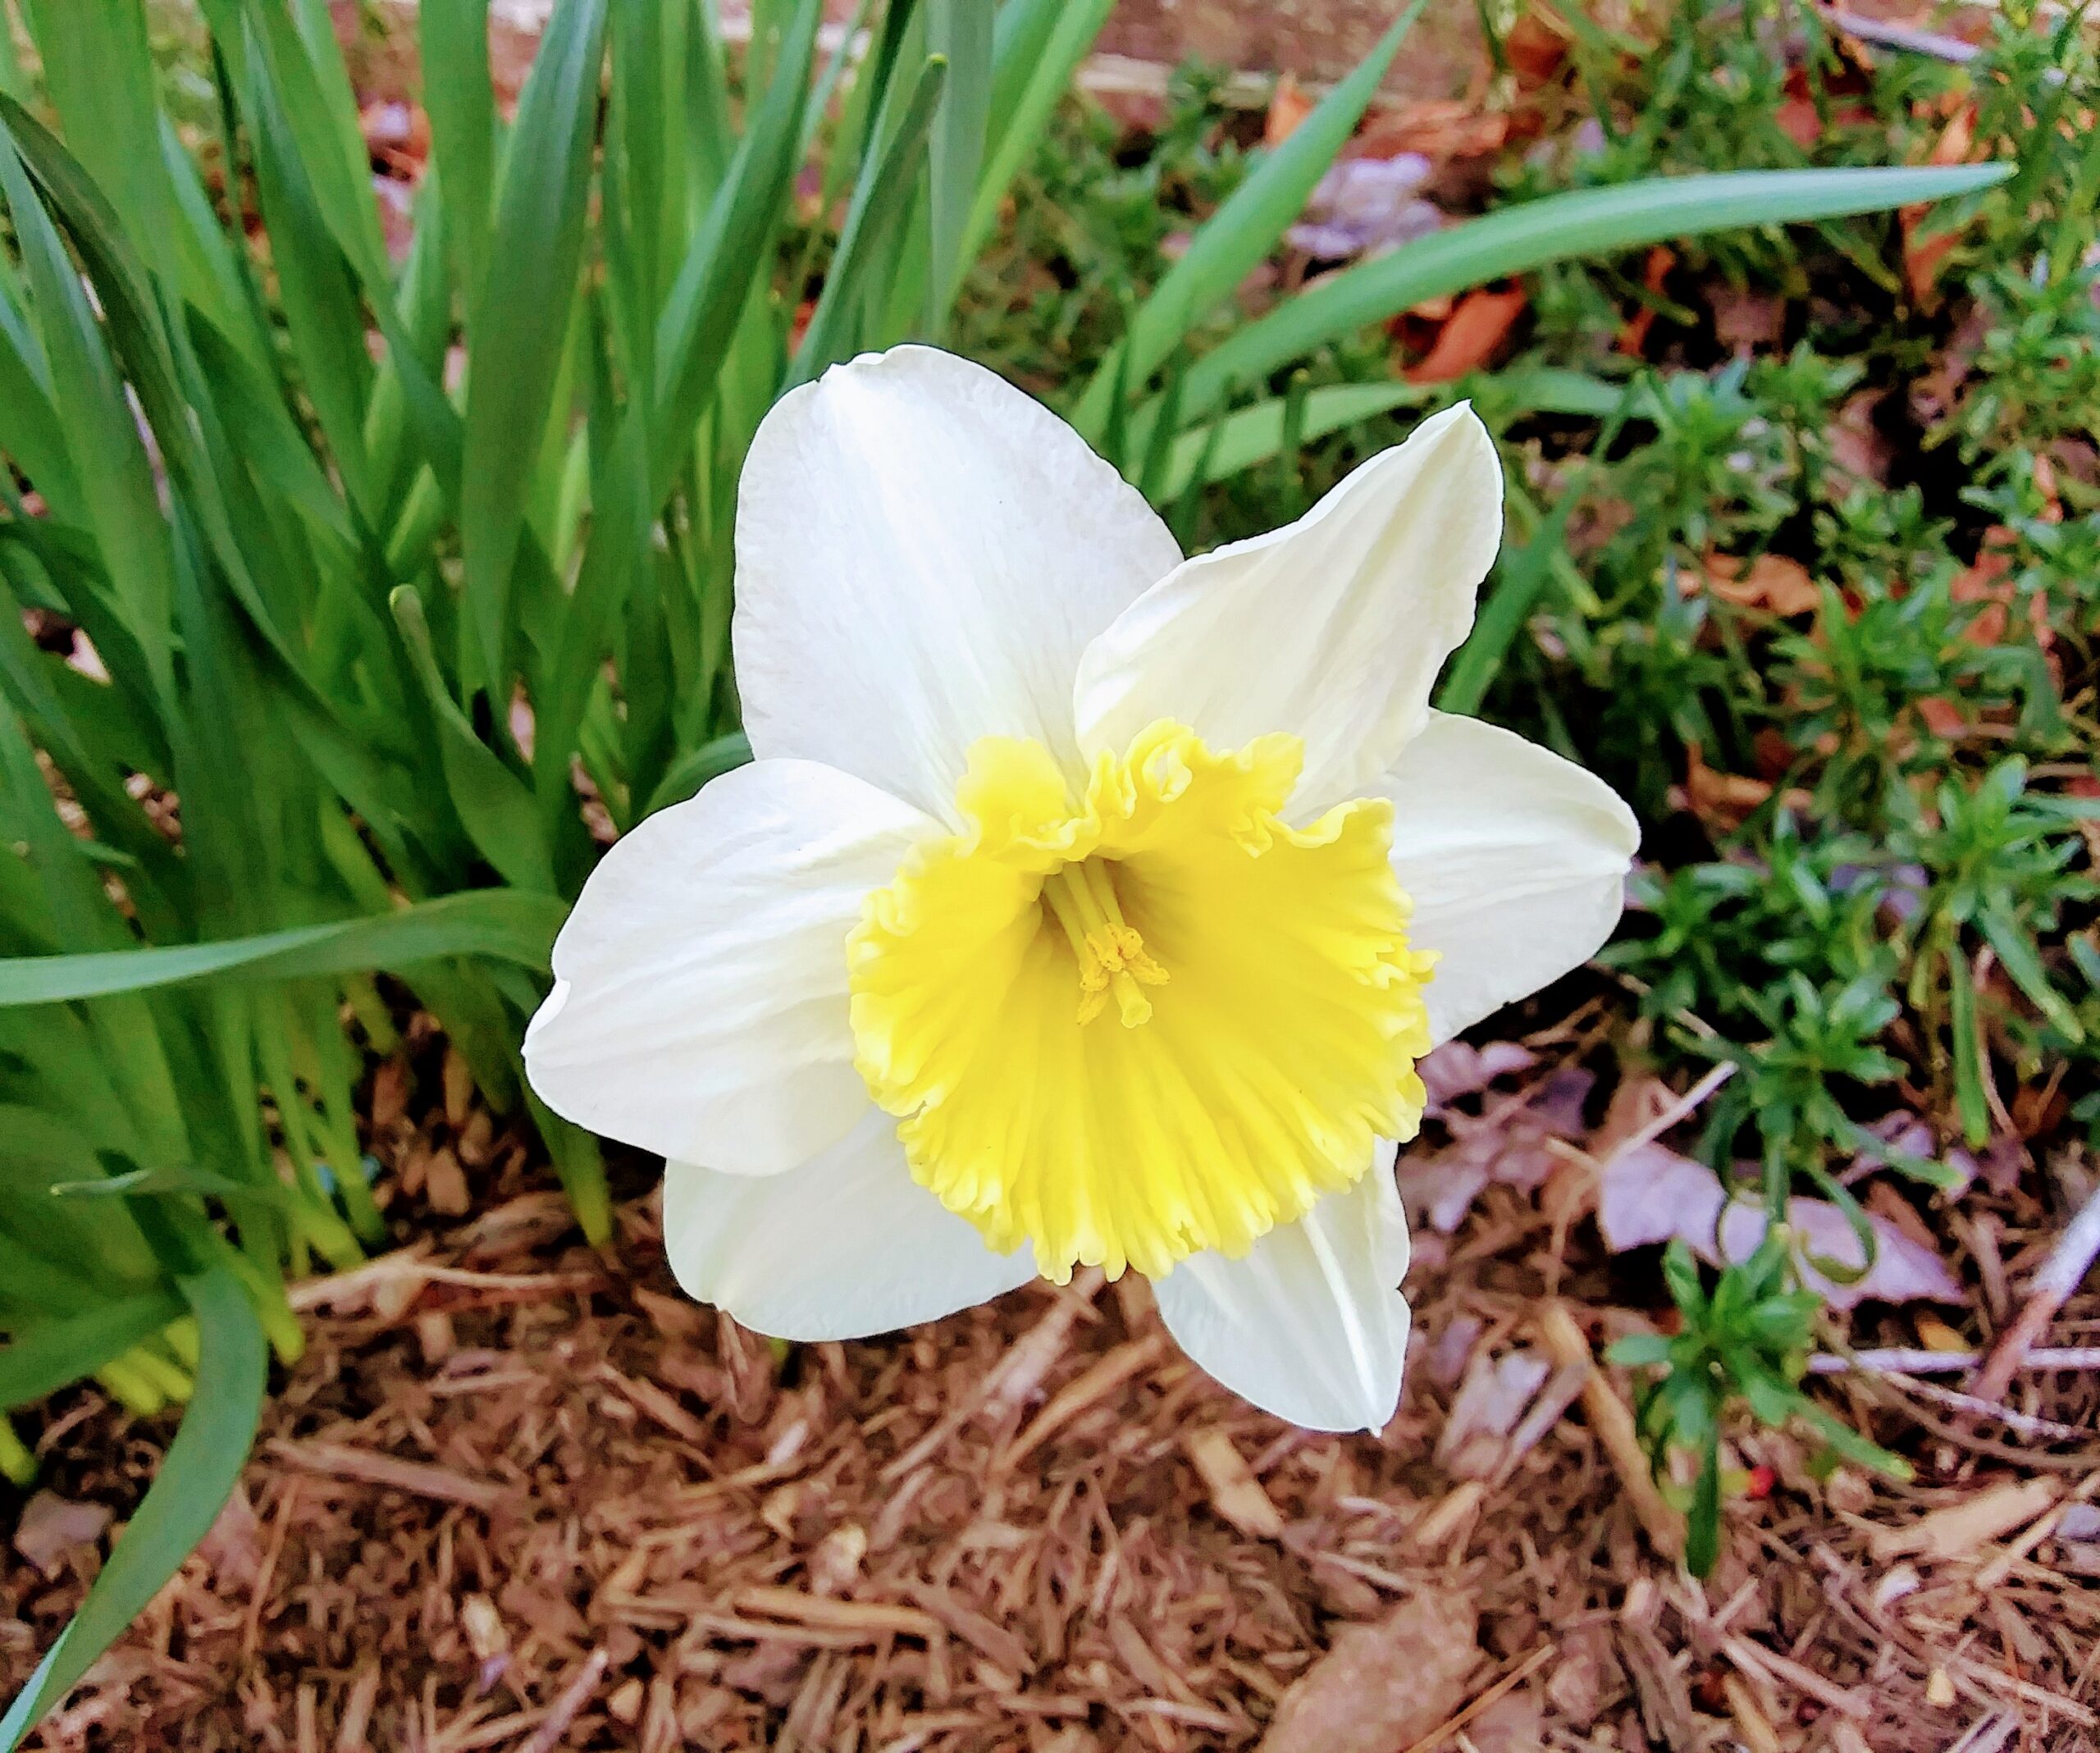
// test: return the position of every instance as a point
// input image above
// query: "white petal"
(1516, 860)
(1332, 628)
(922, 553)
(846, 1245)
(1311, 1325)
(699, 1003)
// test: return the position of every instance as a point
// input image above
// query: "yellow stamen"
(1110, 951)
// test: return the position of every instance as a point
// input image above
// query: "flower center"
(1270, 1005)
(1109, 949)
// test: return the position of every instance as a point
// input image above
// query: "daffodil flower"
(1084, 905)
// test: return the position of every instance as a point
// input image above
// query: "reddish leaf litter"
(519, 1495)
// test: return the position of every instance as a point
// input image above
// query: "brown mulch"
(517, 1496)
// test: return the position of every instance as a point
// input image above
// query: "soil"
(520, 1495)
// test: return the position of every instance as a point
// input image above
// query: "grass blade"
(1236, 238)
(1587, 222)
(49, 1355)
(699, 323)
(194, 1480)
(521, 316)
(461, 103)
(1038, 46)
(502, 925)
(98, 72)
(880, 200)
(959, 32)
(494, 805)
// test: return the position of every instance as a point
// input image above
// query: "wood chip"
(1959, 1529)
(1612, 1422)
(1455, 1509)
(368, 1466)
(1235, 1493)
(882, 1617)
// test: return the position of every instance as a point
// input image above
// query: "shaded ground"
(519, 1496)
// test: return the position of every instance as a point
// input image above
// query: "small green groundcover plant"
(1888, 942)
(345, 589)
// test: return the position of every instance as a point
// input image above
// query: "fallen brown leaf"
(1989, 581)
(1924, 250)
(1634, 336)
(1857, 445)
(1288, 106)
(52, 1526)
(1477, 329)
(1437, 128)
(1382, 1686)
(1722, 801)
(1771, 581)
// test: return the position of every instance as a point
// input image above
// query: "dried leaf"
(1858, 447)
(1989, 581)
(1634, 336)
(52, 1526)
(1382, 1686)
(1438, 128)
(1494, 1397)
(1652, 1194)
(1722, 801)
(1289, 105)
(1771, 581)
(1364, 207)
(1924, 251)
(1477, 328)
(233, 1546)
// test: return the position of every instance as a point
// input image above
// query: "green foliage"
(1748, 1337)
(353, 597)
(326, 570)
(1900, 920)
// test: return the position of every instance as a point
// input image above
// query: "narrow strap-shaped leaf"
(1250, 435)
(1235, 239)
(195, 1478)
(1038, 46)
(522, 315)
(99, 72)
(323, 122)
(494, 805)
(505, 925)
(2015, 952)
(316, 289)
(52, 1354)
(143, 345)
(693, 335)
(1584, 222)
(711, 760)
(1520, 575)
(109, 463)
(960, 32)
(1969, 1100)
(880, 198)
